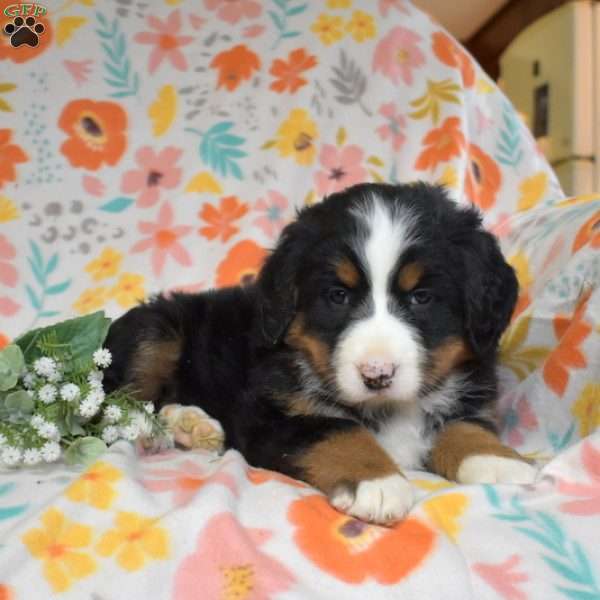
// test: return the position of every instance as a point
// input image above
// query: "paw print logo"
(24, 32)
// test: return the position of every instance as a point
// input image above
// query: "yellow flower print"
(586, 409)
(94, 486)
(90, 300)
(129, 290)
(520, 264)
(445, 511)
(106, 265)
(532, 190)
(296, 137)
(329, 29)
(8, 210)
(58, 544)
(204, 182)
(339, 3)
(362, 26)
(134, 540)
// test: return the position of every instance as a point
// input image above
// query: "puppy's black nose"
(377, 374)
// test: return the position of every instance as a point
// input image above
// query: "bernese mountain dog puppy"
(366, 346)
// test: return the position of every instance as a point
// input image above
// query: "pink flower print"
(342, 166)
(231, 11)
(518, 418)
(503, 578)
(157, 170)
(185, 481)
(502, 227)
(8, 273)
(386, 5)
(163, 240)
(228, 561)
(395, 124)
(397, 54)
(588, 503)
(273, 208)
(79, 69)
(166, 42)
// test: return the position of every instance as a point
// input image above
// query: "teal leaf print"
(280, 19)
(118, 67)
(567, 559)
(8, 512)
(41, 271)
(508, 149)
(117, 205)
(219, 149)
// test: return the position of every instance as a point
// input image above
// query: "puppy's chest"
(407, 439)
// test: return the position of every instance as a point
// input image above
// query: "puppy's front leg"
(345, 462)
(468, 453)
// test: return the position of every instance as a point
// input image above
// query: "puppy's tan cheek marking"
(314, 349)
(345, 459)
(347, 273)
(153, 364)
(460, 440)
(409, 276)
(447, 356)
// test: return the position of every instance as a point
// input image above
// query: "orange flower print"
(96, 133)
(10, 155)
(220, 220)
(442, 144)
(571, 333)
(354, 551)
(234, 66)
(451, 54)
(241, 265)
(5, 592)
(482, 179)
(24, 52)
(588, 234)
(289, 73)
(4, 341)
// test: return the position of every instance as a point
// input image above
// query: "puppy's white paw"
(384, 500)
(487, 468)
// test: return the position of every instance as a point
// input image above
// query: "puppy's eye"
(338, 296)
(421, 297)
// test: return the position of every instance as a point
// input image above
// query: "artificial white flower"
(28, 380)
(10, 455)
(130, 432)
(37, 421)
(2, 440)
(45, 366)
(110, 434)
(49, 431)
(50, 451)
(70, 392)
(142, 423)
(95, 379)
(113, 413)
(102, 358)
(32, 456)
(88, 408)
(55, 377)
(96, 395)
(47, 393)
(149, 408)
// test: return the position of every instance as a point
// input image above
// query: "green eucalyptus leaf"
(84, 451)
(11, 366)
(78, 338)
(19, 402)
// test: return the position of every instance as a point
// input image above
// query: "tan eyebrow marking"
(347, 273)
(409, 275)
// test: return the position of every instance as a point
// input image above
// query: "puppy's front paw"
(191, 427)
(383, 501)
(487, 468)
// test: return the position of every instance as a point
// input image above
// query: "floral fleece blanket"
(159, 145)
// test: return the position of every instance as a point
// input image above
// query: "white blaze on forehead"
(380, 334)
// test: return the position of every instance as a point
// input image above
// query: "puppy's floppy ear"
(490, 292)
(276, 285)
